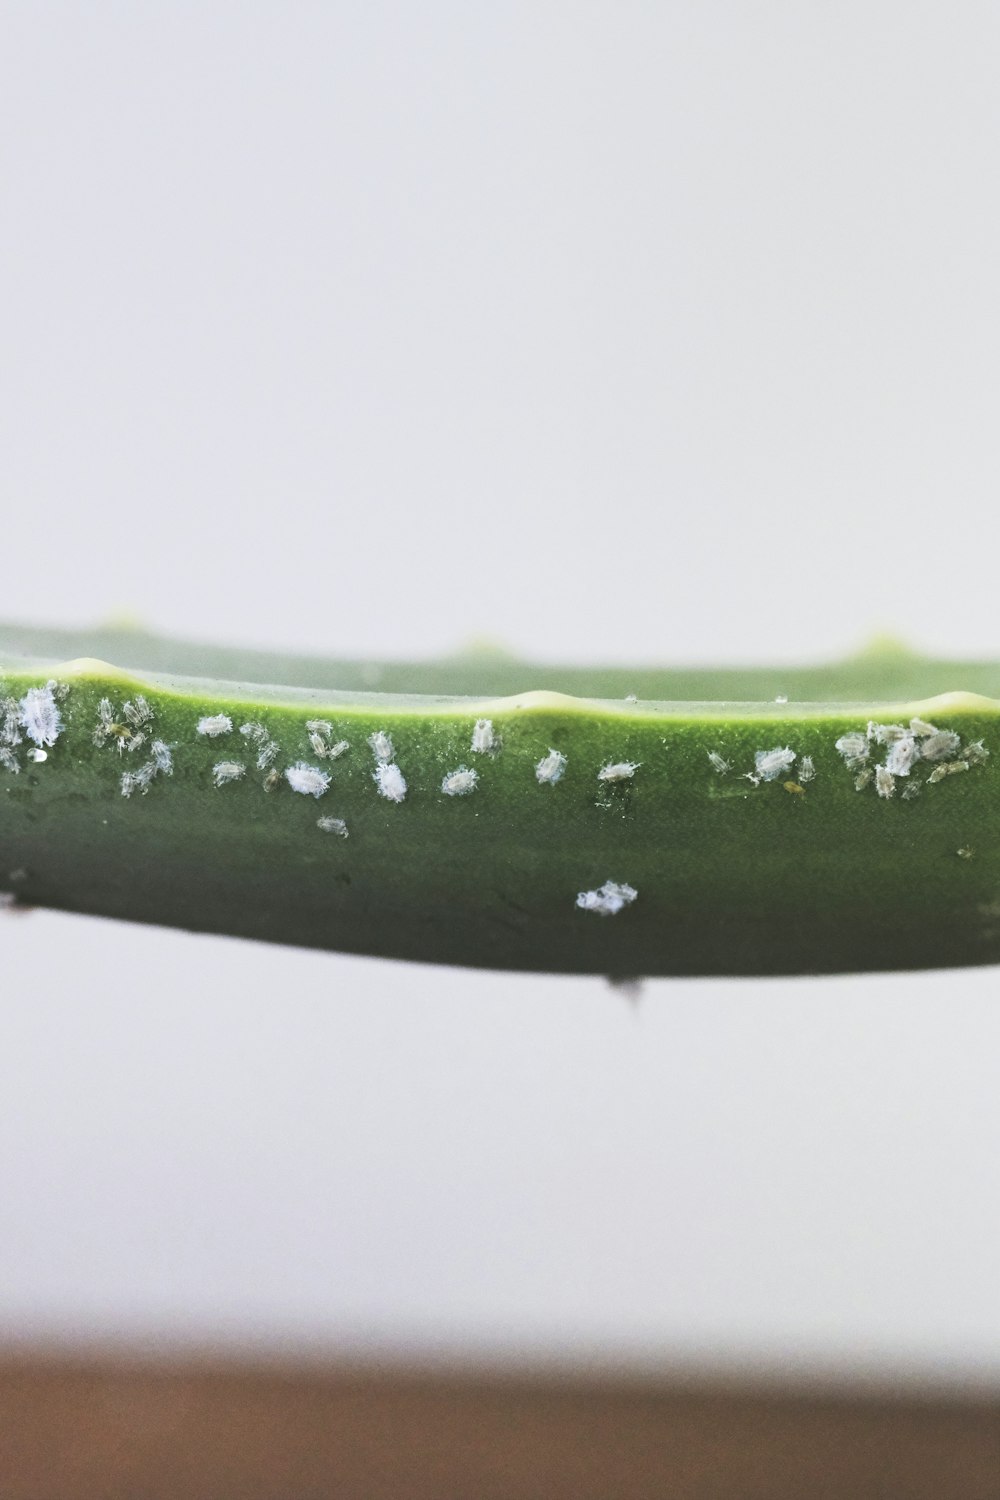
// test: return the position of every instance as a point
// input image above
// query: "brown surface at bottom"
(79, 1431)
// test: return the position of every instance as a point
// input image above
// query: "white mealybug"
(807, 769)
(940, 745)
(333, 825)
(105, 721)
(863, 779)
(976, 753)
(460, 782)
(483, 739)
(550, 768)
(140, 780)
(10, 733)
(946, 768)
(854, 749)
(228, 770)
(40, 716)
(129, 735)
(309, 780)
(718, 762)
(266, 754)
(769, 764)
(161, 762)
(381, 744)
(390, 781)
(911, 790)
(138, 713)
(162, 758)
(267, 748)
(9, 760)
(885, 734)
(608, 900)
(214, 724)
(884, 783)
(902, 754)
(319, 732)
(921, 728)
(622, 770)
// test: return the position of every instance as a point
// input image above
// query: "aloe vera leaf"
(648, 827)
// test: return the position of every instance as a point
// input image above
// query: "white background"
(663, 332)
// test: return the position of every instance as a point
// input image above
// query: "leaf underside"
(462, 816)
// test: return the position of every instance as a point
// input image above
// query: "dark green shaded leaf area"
(715, 867)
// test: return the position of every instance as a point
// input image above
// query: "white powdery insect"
(323, 750)
(976, 754)
(902, 754)
(940, 745)
(309, 780)
(215, 724)
(483, 739)
(864, 778)
(807, 770)
(390, 781)
(140, 780)
(770, 764)
(333, 825)
(854, 748)
(911, 790)
(460, 782)
(550, 768)
(885, 785)
(922, 729)
(138, 713)
(225, 771)
(131, 733)
(106, 725)
(162, 758)
(622, 770)
(946, 768)
(381, 745)
(718, 762)
(885, 734)
(10, 731)
(9, 760)
(39, 716)
(608, 900)
(319, 732)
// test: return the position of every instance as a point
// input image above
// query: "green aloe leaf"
(487, 812)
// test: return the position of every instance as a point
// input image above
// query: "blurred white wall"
(650, 332)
